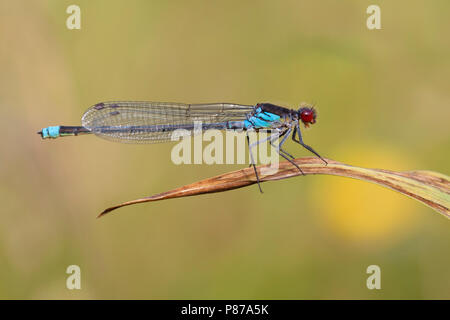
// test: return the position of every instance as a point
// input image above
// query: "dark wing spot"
(114, 106)
(99, 106)
(114, 113)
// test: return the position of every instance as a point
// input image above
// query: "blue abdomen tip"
(50, 132)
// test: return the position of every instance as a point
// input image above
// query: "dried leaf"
(431, 188)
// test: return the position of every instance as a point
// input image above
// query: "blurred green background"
(383, 99)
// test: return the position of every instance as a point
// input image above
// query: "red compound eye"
(308, 115)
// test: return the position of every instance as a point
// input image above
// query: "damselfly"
(149, 122)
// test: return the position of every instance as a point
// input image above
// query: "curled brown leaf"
(430, 188)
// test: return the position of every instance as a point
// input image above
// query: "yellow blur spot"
(362, 211)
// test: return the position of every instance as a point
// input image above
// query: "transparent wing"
(150, 122)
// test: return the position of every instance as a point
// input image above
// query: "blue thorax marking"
(261, 119)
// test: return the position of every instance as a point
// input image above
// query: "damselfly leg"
(270, 138)
(253, 161)
(282, 152)
(300, 141)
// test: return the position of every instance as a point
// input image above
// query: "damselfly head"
(307, 115)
